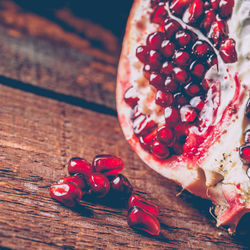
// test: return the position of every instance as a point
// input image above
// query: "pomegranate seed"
(177, 7)
(197, 103)
(247, 136)
(181, 132)
(227, 51)
(201, 49)
(79, 166)
(154, 59)
(136, 200)
(147, 140)
(154, 40)
(181, 58)
(98, 184)
(177, 148)
(156, 80)
(217, 32)
(209, 18)
(142, 125)
(247, 111)
(142, 53)
(194, 12)
(77, 179)
(215, 4)
(197, 69)
(167, 48)
(180, 99)
(68, 194)
(142, 220)
(156, 2)
(108, 164)
(170, 84)
(171, 116)
(226, 8)
(188, 114)
(121, 186)
(165, 135)
(180, 75)
(245, 153)
(171, 27)
(159, 14)
(163, 99)
(193, 89)
(207, 5)
(183, 37)
(131, 97)
(160, 150)
(167, 68)
(212, 60)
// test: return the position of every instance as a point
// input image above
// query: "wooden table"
(57, 100)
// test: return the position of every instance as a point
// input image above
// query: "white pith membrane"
(218, 174)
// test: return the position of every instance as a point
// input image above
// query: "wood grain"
(80, 62)
(37, 137)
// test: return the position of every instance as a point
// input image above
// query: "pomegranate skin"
(184, 171)
(108, 164)
(142, 220)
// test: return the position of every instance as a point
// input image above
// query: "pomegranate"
(143, 220)
(67, 193)
(182, 97)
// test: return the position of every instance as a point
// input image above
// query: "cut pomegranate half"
(188, 110)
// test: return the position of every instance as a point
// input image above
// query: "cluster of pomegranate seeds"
(103, 179)
(211, 18)
(244, 150)
(175, 62)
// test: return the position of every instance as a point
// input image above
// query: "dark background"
(111, 14)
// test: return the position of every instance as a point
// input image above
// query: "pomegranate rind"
(184, 172)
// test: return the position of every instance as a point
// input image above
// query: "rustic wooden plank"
(79, 59)
(37, 137)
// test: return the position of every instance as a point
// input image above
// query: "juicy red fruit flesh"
(136, 200)
(67, 193)
(79, 166)
(77, 179)
(98, 184)
(121, 186)
(108, 164)
(142, 220)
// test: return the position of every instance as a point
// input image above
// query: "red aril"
(99, 185)
(108, 164)
(227, 51)
(120, 186)
(68, 193)
(160, 150)
(136, 200)
(165, 135)
(79, 166)
(142, 220)
(77, 179)
(163, 99)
